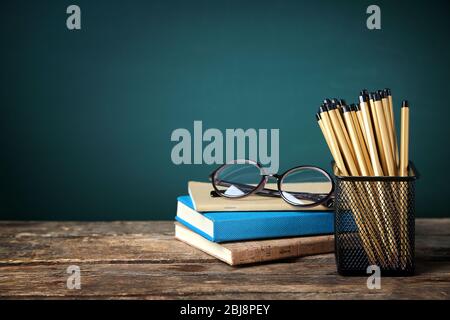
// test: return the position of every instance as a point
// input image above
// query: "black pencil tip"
(405, 104)
(346, 108)
(382, 94)
(323, 108)
(376, 96)
(335, 102)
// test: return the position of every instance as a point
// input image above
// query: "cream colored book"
(200, 193)
(244, 252)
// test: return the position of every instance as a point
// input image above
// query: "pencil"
(362, 142)
(394, 132)
(363, 100)
(337, 109)
(389, 123)
(361, 124)
(349, 122)
(404, 139)
(385, 140)
(344, 146)
(327, 139)
(325, 123)
(377, 131)
(404, 199)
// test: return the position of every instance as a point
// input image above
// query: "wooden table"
(142, 260)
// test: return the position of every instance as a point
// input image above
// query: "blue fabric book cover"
(234, 226)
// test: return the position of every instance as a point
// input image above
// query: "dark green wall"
(86, 116)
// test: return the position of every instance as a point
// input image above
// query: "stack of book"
(252, 229)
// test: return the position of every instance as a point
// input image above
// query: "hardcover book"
(237, 253)
(247, 225)
(202, 201)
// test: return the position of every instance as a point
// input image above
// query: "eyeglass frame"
(259, 189)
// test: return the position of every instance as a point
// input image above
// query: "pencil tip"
(318, 116)
(376, 96)
(405, 104)
(326, 101)
(388, 91)
(332, 106)
(363, 98)
(335, 102)
(346, 108)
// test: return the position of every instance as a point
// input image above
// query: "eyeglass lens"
(305, 186)
(237, 179)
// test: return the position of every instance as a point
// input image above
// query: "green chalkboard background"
(86, 116)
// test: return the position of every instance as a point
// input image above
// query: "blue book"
(247, 225)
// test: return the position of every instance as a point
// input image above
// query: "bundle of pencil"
(363, 142)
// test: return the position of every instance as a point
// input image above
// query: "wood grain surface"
(142, 260)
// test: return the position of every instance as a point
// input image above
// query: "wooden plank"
(69, 229)
(111, 249)
(213, 280)
(93, 242)
(142, 260)
(160, 228)
(148, 242)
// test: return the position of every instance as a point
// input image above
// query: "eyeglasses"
(303, 186)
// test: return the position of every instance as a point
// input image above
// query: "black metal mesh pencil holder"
(374, 224)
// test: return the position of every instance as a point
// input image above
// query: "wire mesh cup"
(374, 224)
